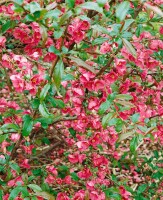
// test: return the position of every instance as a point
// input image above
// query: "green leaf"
(3, 137)
(135, 117)
(45, 195)
(56, 102)
(15, 167)
(1, 194)
(101, 3)
(6, 26)
(129, 47)
(44, 111)
(99, 41)
(52, 14)
(72, 132)
(34, 187)
(71, 3)
(18, 8)
(34, 6)
(20, 2)
(100, 29)
(54, 50)
(122, 9)
(58, 33)
(35, 103)
(124, 96)
(134, 142)
(155, 9)
(10, 126)
(91, 6)
(27, 125)
(15, 192)
(65, 17)
(83, 64)
(30, 18)
(123, 136)
(74, 176)
(106, 118)
(142, 188)
(68, 77)
(58, 73)
(44, 91)
(128, 22)
(63, 170)
(105, 105)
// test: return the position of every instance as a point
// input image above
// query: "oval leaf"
(44, 91)
(44, 111)
(58, 73)
(27, 125)
(92, 6)
(122, 10)
(129, 47)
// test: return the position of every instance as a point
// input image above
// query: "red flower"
(62, 196)
(85, 173)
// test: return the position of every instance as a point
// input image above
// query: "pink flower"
(50, 179)
(6, 197)
(124, 193)
(52, 169)
(84, 25)
(111, 77)
(77, 2)
(15, 137)
(120, 65)
(28, 149)
(116, 155)
(94, 195)
(78, 91)
(25, 164)
(85, 173)
(15, 181)
(95, 140)
(161, 30)
(105, 48)
(2, 41)
(80, 195)
(78, 36)
(49, 57)
(90, 185)
(75, 158)
(82, 145)
(62, 196)
(93, 103)
(98, 85)
(18, 82)
(99, 160)
(67, 179)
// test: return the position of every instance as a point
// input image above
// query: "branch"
(46, 150)
(102, 70)
(57, 59)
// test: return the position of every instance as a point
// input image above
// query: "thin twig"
(46, 150)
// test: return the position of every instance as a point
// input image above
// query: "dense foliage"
(81, 100)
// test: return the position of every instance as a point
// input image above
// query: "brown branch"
(13, 153)
(57, 59)
(102, 70)
(46, 150)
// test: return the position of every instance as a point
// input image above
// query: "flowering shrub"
(81, 102)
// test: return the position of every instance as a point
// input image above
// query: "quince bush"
(81, 99)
